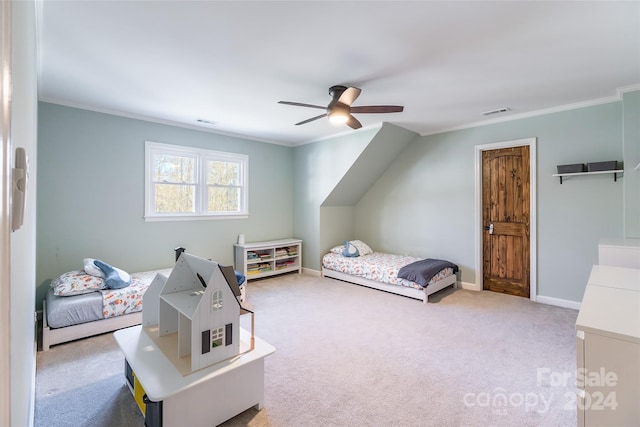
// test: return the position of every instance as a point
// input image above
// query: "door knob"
(489, 228)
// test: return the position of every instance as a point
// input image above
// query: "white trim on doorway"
(5, 217)
(533, 234)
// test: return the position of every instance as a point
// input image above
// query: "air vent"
(498, 111)
(205, 122)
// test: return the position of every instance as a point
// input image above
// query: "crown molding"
(615, 98)
(157, 120)
(630, 88)
(590, 103)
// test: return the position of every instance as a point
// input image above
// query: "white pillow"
(92, 269)
(363, 248)
(76, 283)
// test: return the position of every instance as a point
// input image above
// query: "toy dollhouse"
(195, 313)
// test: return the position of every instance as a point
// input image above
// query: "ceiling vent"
(498, 111)
(205, 122)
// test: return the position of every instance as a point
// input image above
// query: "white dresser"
(608, 348)
(619, 252)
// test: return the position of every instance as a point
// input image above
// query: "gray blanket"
(423, 271)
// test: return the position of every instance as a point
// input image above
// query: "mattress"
(378, 266)
(73, 310)
(67, 311)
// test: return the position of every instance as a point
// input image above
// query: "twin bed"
(382, 270)
(79, 315)
(77, 305)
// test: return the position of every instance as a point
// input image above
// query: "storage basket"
(574, 168)
(602, 166)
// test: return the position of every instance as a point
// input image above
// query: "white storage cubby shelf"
(263, 259)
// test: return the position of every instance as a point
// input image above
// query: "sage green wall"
(91, 194)
(380, 152)
(318, 168)
(333, 175)
(91, 188)
(424, 203)
(337, 224)
(631, 137)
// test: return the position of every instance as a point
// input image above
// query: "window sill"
(193, 217)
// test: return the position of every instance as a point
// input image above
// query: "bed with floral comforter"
(78, 306)
(380, 271)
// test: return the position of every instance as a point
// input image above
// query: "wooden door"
(505, 220)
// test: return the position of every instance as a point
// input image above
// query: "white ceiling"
(230, 62)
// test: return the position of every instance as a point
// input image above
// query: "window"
(216, 300)
(193, 183)
(217, 337)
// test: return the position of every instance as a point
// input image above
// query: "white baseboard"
(558, 302)
(468, 286)
(311, 272)
(574, 305)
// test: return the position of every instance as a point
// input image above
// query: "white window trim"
(216, 300)
(217, 334)
(201, 155)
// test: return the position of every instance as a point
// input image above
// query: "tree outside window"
(190, 183)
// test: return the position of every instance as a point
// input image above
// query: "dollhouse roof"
(230, 276)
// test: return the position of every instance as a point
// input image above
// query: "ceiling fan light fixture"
(339, 110)
(338, 117)
(338, 113)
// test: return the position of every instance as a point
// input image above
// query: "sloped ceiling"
(384, 147)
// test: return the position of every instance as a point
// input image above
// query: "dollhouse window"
(216, 300)
(217, 337)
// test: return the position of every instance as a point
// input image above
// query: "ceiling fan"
(340, 110)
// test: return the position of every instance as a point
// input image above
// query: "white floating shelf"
(614, 172)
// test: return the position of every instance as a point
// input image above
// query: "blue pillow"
(112, 279)
(239, 277)
(350, 250)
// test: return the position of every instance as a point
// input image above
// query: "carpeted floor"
(348, 355)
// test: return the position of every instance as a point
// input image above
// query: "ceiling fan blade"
(299, 104)
(354, 123)
(312, 119)
(349, 95)
(378, 109)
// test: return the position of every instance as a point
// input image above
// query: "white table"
(207, 397)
